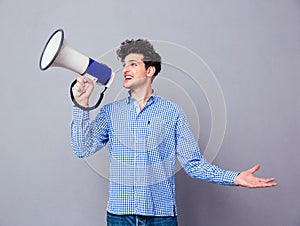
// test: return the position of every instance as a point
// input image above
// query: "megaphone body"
(57, 53)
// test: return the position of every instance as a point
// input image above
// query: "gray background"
(252, 46)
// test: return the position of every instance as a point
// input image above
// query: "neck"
(141, 96)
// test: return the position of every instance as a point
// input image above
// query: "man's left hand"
(247, 179)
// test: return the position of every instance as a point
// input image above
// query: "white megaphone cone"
(57, 53)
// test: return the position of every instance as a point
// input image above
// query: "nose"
(125, 69)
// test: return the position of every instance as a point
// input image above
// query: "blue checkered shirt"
(143, 146)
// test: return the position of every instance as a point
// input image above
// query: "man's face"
(134, 72)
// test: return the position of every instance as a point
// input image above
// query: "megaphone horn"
(57, 53)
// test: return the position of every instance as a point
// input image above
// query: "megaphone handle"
(82, 107)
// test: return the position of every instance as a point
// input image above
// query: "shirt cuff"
(79, 114)
(230, 176)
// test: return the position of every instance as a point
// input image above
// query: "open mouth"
(128, 77)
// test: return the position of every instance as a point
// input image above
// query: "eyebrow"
(123, 63)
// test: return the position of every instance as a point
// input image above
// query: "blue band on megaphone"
(99, 71)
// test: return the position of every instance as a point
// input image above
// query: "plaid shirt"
(143, 147)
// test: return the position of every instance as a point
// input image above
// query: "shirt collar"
(151, 98)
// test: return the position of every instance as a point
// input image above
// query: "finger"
(76, 93)
(254, 169)
(76, 90)
(83, 83)
(267, 180)
(88, 80)
(81, 80)
(268, 184)
(89, 83)
(79, 87)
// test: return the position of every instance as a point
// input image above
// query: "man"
(146, 134)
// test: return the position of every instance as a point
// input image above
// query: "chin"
(126, 86)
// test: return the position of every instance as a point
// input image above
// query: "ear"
(150, 71)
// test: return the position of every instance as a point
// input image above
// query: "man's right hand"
(82, 90)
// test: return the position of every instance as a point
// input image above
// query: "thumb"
(254, 169)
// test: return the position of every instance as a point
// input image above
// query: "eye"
(133, 64)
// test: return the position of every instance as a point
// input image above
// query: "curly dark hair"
(141, 46)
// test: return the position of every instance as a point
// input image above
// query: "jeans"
(137, 220)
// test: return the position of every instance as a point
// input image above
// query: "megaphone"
(57, 53)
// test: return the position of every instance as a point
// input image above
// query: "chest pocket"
(156, 133)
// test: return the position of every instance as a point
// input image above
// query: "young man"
(145, 134)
